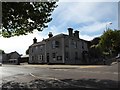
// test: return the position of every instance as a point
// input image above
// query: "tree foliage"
(21, 18)
(27, 51)
(95, 41)
(2, 52)
(108, 44)
(94, 50)
(110, 41)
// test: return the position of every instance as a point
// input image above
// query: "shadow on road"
(62, 84)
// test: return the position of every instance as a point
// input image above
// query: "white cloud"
(74, 12)
(93, 14)
(87, 37)
(84, 12)
(92, 28)
(20, 43)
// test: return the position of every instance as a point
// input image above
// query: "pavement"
(62, 66)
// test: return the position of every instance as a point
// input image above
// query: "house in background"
(24, 58)
(14, 57)
(60, 49)
(10, 58)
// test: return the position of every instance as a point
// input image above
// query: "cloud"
(92, 28)
(20, 43)
(74, 14)
(88, 17)
(87, 37)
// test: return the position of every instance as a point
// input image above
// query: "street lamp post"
(109, 23)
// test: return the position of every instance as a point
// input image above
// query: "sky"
(89, 17)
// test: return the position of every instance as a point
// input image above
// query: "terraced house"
(60, 49)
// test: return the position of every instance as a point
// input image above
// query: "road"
(27, 73)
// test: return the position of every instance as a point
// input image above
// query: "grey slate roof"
(56, 36)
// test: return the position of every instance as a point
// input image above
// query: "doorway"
(48, 58)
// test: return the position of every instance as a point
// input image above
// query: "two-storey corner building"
(59, 49)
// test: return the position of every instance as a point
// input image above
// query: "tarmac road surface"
(26, 73)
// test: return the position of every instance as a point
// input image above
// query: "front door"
(47, 58)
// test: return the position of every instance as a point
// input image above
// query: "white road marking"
(58, 80)
(41, 77)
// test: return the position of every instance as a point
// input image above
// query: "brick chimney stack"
(70, 31)
(50, 34)
(34, 40)
(76, 34)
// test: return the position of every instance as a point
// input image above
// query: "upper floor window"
(41, 46)
(36, 47)
(82, 45)
(32, 50)
(55, 44)
(74, 44)
(53, 55)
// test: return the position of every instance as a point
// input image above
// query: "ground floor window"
(76, 55)
(59, 58)
(66, 55)
(33, 58)
(40, 57)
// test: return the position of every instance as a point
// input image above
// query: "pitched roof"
(9, 54)
(38, 43)
(44, 40)
(56, 36)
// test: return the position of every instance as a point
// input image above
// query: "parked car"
(0, 64)
(118, 57)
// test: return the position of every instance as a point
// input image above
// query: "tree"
(2, 52)
(110, 41)
(94, 49)
(21, 18)
(116, 41)
(95, 41)
(27, 51)
(95, 53)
